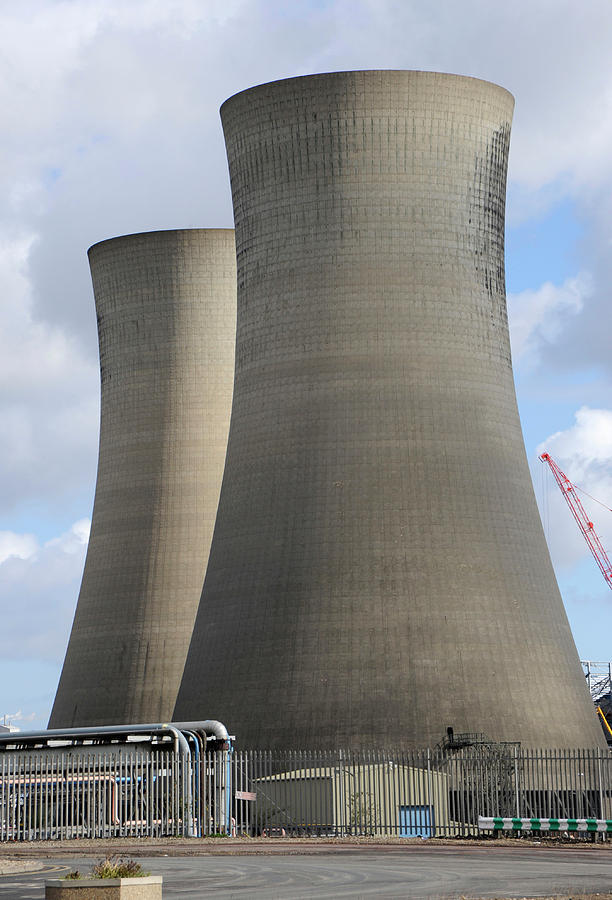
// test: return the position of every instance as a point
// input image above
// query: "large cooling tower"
(378, 570)
(166, 305)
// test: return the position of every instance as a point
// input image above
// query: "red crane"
(578, 511)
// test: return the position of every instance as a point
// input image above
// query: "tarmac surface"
(259, 870)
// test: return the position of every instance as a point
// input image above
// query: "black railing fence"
(105, 792)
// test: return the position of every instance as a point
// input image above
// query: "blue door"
(416, 821)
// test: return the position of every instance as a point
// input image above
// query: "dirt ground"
(149, 846)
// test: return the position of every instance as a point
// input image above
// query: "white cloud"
(538, 317)
(20, 716)
(72, 541)
(48, 394)
(584, 453)
(586, 449)
(20, 545)
(38, 594)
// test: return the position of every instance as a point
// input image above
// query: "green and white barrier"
(494, 823)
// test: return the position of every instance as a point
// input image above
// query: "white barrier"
(494, 823)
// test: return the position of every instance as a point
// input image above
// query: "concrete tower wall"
(378, 570)
(166, 306)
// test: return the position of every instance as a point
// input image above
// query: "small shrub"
(72, 876)
(113, 867)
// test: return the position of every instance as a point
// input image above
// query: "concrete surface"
(413, 871)
(378, 571)
(166, 307)
(13, 866)
(144, 888)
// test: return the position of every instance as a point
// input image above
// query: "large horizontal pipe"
(57, 734)
(208, 726)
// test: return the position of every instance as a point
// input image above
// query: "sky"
(111, 126)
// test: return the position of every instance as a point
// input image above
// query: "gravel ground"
(245, 846)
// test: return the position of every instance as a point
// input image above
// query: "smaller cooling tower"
(165, 304)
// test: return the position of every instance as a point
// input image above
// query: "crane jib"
(579, 513)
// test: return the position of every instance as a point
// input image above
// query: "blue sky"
(111, 126)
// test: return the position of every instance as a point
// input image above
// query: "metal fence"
(415, 794)
(121, 791)
(52, 795)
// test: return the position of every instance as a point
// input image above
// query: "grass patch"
(111, 867)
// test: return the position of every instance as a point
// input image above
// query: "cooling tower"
(378, 571)
(166, 307)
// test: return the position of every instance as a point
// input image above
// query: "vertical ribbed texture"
(378, 571)
(166, 306)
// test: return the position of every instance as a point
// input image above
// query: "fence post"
(228, 789)
(516, 784)
(429, 794)
(602, 815)
(341, 794)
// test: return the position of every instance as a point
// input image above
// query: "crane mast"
(579, 513)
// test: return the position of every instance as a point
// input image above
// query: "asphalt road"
(405, 872)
